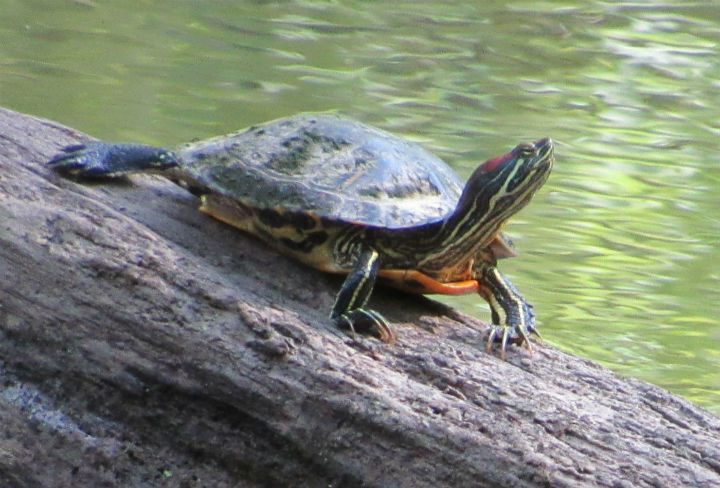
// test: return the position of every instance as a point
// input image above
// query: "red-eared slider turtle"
(348, 198)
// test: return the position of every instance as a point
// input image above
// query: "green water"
(618, 250)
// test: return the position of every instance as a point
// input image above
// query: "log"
(143, 343)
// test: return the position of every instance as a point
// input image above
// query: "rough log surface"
(144, 344)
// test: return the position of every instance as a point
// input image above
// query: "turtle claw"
(503, 347)
(535, 332)
(367, 322)
(504, 335)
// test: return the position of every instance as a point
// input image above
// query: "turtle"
(345, 197)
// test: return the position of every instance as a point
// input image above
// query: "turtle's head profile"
(503, 185)
(495, 191)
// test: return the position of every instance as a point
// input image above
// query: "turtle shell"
(328, 166)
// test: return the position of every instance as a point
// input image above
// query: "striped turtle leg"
(513, 317)
(349, 309)
(97, 158)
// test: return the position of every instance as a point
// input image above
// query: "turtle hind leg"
(349, 309)
(97, 159)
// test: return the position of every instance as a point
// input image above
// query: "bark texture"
(144, 344)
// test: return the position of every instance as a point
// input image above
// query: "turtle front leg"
(97, 159)
(349, 309)
(513, 317)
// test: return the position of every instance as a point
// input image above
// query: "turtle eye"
(526, 149)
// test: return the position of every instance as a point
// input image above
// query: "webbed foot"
(96, 159)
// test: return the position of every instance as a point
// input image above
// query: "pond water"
(619, 250)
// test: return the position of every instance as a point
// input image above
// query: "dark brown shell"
(329, 166)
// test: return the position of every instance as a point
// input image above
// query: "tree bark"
(143, 343)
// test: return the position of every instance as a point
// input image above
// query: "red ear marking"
(493, 163)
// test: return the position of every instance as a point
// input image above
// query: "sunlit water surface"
(618, 250)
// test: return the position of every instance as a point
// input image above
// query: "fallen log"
(143, 343)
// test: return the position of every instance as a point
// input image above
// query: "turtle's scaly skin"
(348, 198)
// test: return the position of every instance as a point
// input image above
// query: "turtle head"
(503, 185)
(495, 191)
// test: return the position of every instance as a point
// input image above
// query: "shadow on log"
(143, 343)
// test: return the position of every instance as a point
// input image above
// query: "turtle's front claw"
(516, 334)
(513, 317)
(367, 322)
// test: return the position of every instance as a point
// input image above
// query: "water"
(618, 250)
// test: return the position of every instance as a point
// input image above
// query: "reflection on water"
(618, 251)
